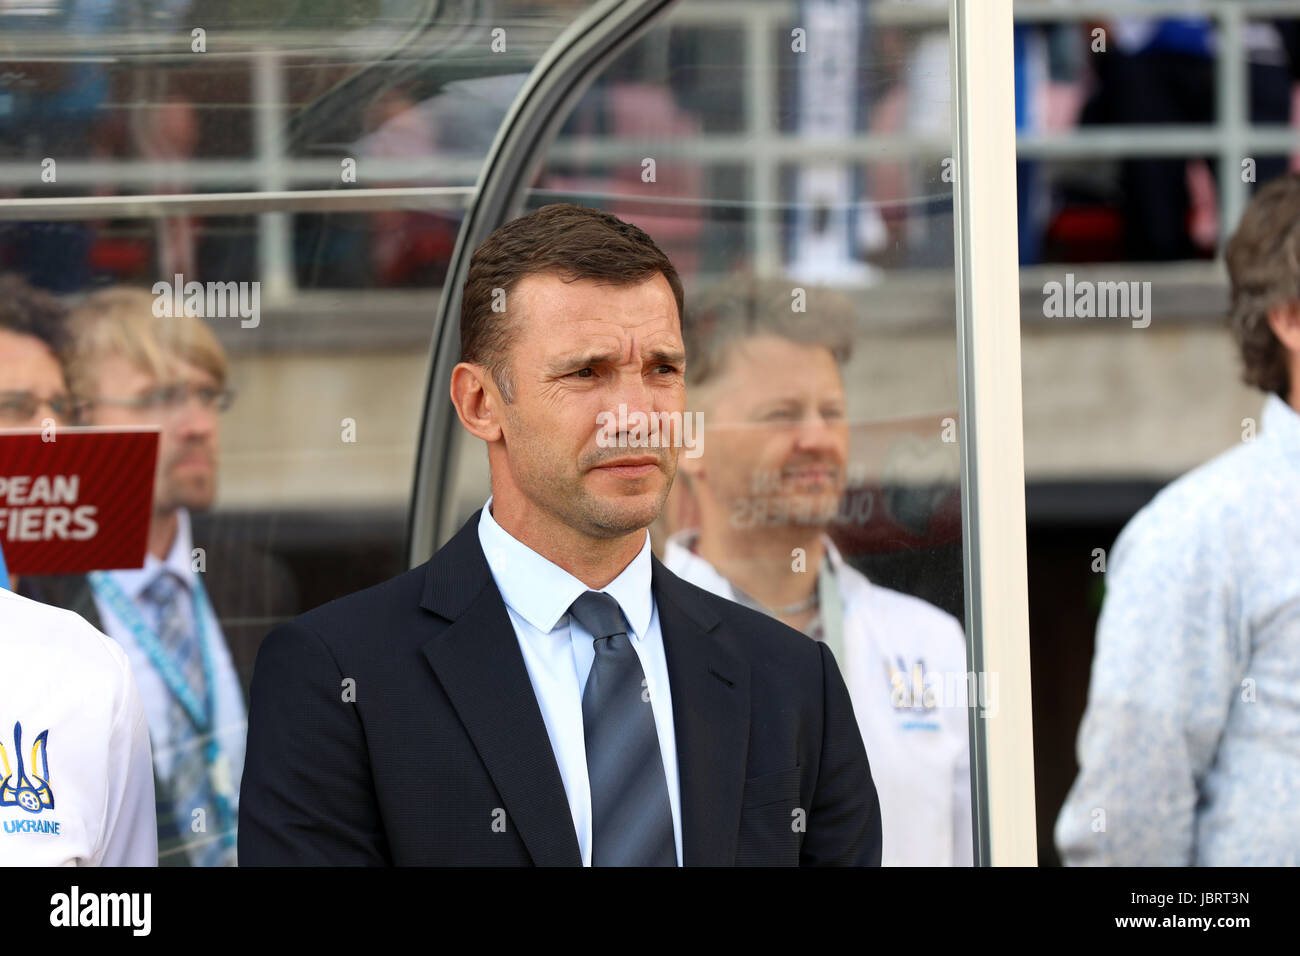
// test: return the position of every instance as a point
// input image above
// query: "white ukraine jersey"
(76, 774)
(895, 646)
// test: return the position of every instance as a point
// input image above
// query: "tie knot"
(162, 590)
(599, 614)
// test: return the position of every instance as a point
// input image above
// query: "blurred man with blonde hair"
(128, 368)
(767, 382)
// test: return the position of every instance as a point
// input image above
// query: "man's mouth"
(820, 475)
(632, 467)
(191, 462)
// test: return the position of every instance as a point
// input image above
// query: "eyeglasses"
(18, 408)
(168, 399)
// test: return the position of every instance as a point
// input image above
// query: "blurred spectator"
(1048, 98)
(401, 131)
(128, 367)
(917, 104)
(168, 132)
(49, 109)
(1187, 747)
(32, 388)
(825, 227)
(32, 335)
(1162, 71)
(773, 471)
(413, 246)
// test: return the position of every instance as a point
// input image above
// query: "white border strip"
(993, 473)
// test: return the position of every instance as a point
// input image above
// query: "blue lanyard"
(124, 609)
(204, 718)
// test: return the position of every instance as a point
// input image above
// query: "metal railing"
(272, 184)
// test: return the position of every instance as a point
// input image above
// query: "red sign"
(76, 499)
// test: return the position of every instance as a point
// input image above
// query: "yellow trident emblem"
(32, 793)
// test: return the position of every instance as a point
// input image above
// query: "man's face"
(30, 377)
(777, 434)
(187, 449)
(584, 348)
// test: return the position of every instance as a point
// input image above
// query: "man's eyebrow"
(583, 359)
(667, 356)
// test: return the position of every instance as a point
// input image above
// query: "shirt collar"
(133, 581)
(834, 560)
(1280, 423)
(541, 592)
(680, 557)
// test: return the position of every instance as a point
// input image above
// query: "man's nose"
(627, 396)
(195, 418)
(815, 432)
(636, 393)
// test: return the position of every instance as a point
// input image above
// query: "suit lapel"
(710, 691)
(478, 663)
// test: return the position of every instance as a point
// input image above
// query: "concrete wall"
(1101, 401)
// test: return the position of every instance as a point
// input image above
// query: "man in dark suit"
(543, 690)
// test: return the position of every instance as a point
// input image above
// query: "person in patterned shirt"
(1187, 750)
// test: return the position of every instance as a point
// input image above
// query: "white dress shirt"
(231, 717)
(558, 654)
(58, 674)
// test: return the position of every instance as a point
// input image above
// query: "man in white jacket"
(767, 382)
(76, 773)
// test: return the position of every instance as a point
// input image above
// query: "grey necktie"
(190, 786)
(631, 819)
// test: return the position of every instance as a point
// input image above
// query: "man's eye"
(582, 372)
(162, 397)
(671, 369)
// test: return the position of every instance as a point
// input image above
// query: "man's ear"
(477, 401)
(1284, 320)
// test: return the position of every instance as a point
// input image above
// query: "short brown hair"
(120, 321)
(743, 307)
(573, 242)
(1263, 260)
(25, 310)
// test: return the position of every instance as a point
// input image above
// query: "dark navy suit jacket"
(398, 726)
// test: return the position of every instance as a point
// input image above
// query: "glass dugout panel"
(796, 162)
(316, 157)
